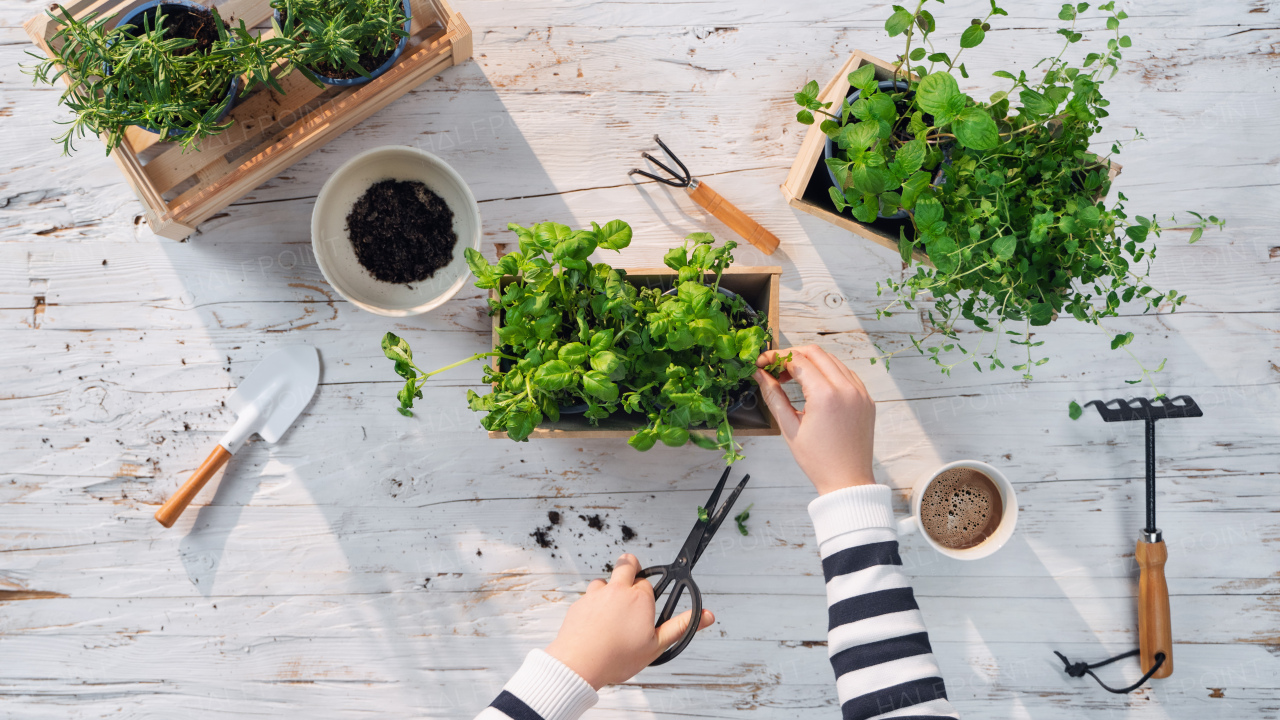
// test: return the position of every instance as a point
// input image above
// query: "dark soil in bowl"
(402, 232)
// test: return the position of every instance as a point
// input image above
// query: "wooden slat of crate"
(769, 279)
(219, 180)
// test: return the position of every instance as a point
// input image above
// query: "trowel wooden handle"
(1155, 635)
(169, 512)
(729, 214)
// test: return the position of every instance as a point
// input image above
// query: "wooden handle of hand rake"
(169, 512)
(729, 214)
(1155, 635)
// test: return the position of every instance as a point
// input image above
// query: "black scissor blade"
(719, 514)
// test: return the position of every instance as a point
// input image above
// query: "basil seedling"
(573, 332)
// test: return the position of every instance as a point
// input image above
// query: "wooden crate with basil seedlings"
(583, 349)
(235, 106)
(998, 208)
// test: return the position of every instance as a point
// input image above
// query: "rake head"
(680, 180)
(1143, 409)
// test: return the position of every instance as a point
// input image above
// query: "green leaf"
(1040, 314)
(397, 349)
(899, 21)
(1074, 410)
(936, 93)
(643, 440)
(928, 211)
(910, 157)
(972, 36)
(555, 375)
(606, 362)
(742, 517)
(1121, 340)
(673, 436)
(1196, 234)
(976, 130)
(864, 78)
(804, 117)
(905, 247)
(599, 385)
(1037, 104)
(615, 235)
(1004, 246)
(703, 515)
(575, 353)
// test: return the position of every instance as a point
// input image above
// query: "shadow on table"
(251, 279)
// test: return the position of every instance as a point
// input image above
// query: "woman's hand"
(831, 438)
(608, 634)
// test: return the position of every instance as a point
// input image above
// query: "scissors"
(679, 574)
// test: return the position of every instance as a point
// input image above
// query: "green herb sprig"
(742, 517)
(574, 332)
(1008, 202)
(329, 35)
(142, 75)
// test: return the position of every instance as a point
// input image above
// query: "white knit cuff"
(852, 508)
(550, 688)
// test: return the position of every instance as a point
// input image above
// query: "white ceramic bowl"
(337, 258)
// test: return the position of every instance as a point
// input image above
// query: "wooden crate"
(179, 190)
(806, 186)
(760, 286)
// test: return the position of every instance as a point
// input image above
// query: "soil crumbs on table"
(402, 232)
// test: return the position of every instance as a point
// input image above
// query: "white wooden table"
(371, 565)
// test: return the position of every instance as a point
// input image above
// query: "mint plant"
(1018, 227)
(574, 332)
(149, 75)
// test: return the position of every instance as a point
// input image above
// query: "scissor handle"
(678, 580)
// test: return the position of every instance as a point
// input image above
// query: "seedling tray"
(271, 132)
(759, 286)
(807, 185)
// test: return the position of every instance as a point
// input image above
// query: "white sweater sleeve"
(542, 689)
(876, 638)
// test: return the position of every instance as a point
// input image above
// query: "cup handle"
(907, 525)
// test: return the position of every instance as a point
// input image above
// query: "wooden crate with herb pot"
(806, 186)
(271, 132)
(759, 286)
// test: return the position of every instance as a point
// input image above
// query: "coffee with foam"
(961, 508)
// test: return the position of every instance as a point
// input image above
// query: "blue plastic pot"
(134, 17)
(830, 149)
(359, 79)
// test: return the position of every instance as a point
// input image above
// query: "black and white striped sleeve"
(542, 689)
(877, 641)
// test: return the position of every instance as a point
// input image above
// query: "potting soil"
(402, 232)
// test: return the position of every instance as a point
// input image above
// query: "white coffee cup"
(1008, 521)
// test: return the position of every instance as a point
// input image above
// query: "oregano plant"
(673, 359)
(1004, 196)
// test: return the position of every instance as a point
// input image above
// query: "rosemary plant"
(148, 74)
(1019, 230)
(341, 38)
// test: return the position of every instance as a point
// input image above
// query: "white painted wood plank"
(343, 561)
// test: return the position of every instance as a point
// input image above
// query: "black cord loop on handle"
(1081, 669)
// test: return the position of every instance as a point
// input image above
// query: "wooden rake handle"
(1155, 634)
(729, 214)
(168, 513)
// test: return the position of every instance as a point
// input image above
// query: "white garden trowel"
(266, 403)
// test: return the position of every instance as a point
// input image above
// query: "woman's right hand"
(832, 437)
